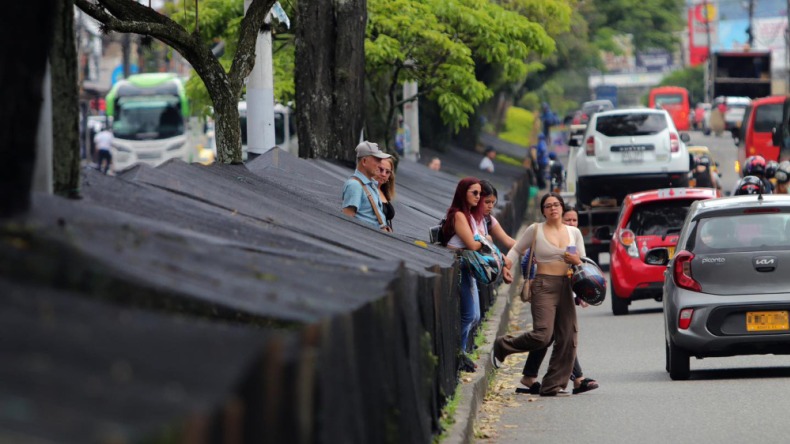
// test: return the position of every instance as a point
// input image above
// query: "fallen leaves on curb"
(501, 394)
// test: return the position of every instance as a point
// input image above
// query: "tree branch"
(130, 17)
(243, 61)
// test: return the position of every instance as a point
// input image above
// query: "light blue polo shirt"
(354, 196)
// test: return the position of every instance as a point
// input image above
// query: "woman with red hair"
(464, 220)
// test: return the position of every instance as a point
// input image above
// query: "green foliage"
(220, 21)
(518, 126)
(436, 43)
(653, 23)
(693, 79)
(447, 418)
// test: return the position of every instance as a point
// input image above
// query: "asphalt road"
(727, 400)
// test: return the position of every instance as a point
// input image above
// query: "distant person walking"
(103, 141)
(487, 163)
(542, 161)
(548, 118)
(361, 191)
(435, 164)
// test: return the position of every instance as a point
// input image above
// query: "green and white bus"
(149, 114)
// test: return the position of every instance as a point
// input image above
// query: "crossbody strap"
(370, 198)
(532, 252)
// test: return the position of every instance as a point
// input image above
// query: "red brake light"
(590, 146)
(627, 237)
(684, 319)
(674, 142)
(681, 271)
(761, 210)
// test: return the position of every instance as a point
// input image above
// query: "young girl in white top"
(553, 309)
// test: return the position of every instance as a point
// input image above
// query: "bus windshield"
(669, 99)
(148, 118)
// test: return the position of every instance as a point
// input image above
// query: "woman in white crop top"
(553, 309)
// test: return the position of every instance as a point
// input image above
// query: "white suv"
(629, 150)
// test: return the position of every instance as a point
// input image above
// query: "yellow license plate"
(671, 251)
(767, 321)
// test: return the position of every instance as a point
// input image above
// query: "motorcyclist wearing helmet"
(782, 177)
(755, 166)
(750, 185)
(770, 172)
(556, 172)
(702, 175)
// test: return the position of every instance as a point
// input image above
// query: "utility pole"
(260, 93)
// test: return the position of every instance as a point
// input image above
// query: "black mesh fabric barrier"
(281, 319)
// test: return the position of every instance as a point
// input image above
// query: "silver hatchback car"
(727, 289)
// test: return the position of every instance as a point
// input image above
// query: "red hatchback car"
(644, 239)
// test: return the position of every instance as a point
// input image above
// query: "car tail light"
(681, 272)
(674, 142)
(684, 318)
(628, 239)
(590, 146)
(761, 210)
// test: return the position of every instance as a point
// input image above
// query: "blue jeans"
(470, 306)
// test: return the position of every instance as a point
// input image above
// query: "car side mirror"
(658, 256)
(685, 137)
(603, 233)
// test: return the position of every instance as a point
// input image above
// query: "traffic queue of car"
(717, 264)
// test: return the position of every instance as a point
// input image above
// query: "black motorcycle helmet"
(782, 174)
(770, 169)
(754, 166)
(588, 282)
(749, 185)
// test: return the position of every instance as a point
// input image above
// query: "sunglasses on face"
(475, 193)
(552, 205)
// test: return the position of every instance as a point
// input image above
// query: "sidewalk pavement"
(474, 386)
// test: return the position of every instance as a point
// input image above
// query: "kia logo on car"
(765, 263)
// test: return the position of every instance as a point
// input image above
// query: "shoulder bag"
(373, 205)
(526, 284)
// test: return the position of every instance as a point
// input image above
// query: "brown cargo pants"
(553, 313)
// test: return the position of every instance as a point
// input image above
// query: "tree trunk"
(23, 61)
(65, 102)
(329, 77)
(228, 129)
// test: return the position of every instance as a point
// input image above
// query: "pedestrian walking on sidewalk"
(103, 142)
(535, 358)
(553, 310)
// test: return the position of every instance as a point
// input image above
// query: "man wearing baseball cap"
(361, 191)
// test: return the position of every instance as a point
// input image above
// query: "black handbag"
(435, 233)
